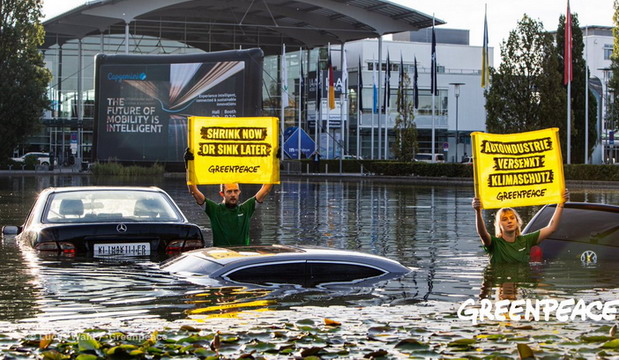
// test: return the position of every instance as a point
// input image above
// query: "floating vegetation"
(432, 335)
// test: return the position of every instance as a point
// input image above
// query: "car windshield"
(106, 206)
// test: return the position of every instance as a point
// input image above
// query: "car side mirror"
(10, 230)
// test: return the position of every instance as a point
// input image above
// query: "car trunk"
(131, 239)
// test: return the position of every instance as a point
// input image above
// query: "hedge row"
(394, 168)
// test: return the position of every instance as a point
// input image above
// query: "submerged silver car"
(275, 265)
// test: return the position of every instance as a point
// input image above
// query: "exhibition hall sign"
(143, 101)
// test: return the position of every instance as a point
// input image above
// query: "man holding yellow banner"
(229, 151)
(516, 170)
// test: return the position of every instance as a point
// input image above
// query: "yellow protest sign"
(521, 169)
(233, 150)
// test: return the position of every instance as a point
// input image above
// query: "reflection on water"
(428, 228)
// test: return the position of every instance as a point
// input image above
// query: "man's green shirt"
(519, 251)
(230, 225)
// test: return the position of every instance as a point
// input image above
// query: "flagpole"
(374, 105)
(358, 108)
(433, 89)
(329, 106)
(343, 96)
(586, 99)
(300, 102)
(318, 117)
(283, 97)
(380, 68)
(568, 76)
(387, 96)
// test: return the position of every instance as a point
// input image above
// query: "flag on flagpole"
(415, 86)
(374, 90)
(344, 73)
(567, 55)
(387, 83)
(302, 88)
(433, 80)
(485, 74)
(360, 85)
(284, 79)
(401, 86)
(331, 85)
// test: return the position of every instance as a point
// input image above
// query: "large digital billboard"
(143, 101)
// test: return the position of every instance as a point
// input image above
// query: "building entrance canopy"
(214, 25)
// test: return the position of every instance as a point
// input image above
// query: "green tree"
(526, 91)
(405, 146)
(577, 92)
(612, 105)
(24, 77)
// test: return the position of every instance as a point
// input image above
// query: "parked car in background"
(427, 157)
(468, 160)
(107, 221)
(350, 157)
(42, 158)
(276, 265)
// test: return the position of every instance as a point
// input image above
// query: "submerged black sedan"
(276, 265)
(107, 221)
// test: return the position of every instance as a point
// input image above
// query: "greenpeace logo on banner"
(121, 77)
(517, 310)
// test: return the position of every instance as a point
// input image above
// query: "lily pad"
(86, 342)
(613, 344)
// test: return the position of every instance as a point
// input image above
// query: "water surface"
(428, 228)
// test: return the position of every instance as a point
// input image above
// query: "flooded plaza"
(429, 228)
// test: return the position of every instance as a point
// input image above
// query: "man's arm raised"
(263, 192)
(193, 190)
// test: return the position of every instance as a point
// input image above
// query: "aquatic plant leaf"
(410, 344)
(189, 328)
(598, 338)
(375, 354)
(137, 352)
(525, 352)
(612, 331)
(204, 353)
(53, 355)
(259, 345)
(306, 322)
(462, 342)
(330, 322)
(86, 342)
(310, 351)
(154, 350)
(613, 344)
(86, 357)
(46, 341)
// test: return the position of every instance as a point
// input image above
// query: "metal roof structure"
(213, 25)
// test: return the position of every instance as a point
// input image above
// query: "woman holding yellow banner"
(509, 245)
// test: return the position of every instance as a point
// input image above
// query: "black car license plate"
(122, 249)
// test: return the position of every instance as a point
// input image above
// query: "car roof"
(101, 188)
(265, 254)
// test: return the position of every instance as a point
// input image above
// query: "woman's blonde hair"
(497, 221)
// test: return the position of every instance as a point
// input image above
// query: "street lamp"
(457, 93)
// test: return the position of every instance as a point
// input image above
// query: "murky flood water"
(428, 228)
